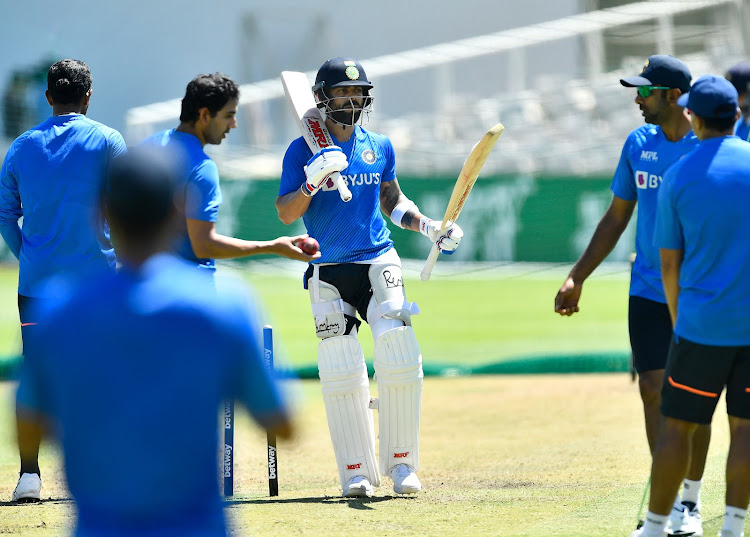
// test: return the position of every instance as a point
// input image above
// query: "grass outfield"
(469, 317)
(515, 456)
(509, 456)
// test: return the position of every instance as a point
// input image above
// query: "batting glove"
(447, 240)
(321, 166)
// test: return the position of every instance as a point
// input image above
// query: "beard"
(346, 116)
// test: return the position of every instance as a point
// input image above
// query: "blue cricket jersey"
(132, 368)
(52, 177)
(645, 158)
(200, 186)
(703, 210)
(353, 231)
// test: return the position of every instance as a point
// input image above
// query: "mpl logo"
(645, 180)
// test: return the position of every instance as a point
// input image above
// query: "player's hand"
(321, 166)
(287, 247)
(566, 301)
(447, 240)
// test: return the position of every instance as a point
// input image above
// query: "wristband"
(305, 190)
(398, 212)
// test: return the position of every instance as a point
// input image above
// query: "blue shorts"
(650, 333)
(696, 375)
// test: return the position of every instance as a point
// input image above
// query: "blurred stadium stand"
(556, 122)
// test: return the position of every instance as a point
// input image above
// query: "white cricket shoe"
(28, 489)
(405, 480)
(358, 487)
(685, 519)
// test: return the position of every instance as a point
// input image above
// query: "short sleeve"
(293, 166)
(389, 170)
(623, 181)
(203, 194)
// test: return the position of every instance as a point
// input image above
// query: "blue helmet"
(338, 72)
(341, 72)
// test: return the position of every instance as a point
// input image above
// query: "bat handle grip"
(344, 192)
(431, 259)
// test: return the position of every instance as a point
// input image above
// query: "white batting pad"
(388, 291)
(328, 307)
(343, 378)
(398, 369)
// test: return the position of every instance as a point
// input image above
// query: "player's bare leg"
(29, 484)
(738, 478)
(650, 385)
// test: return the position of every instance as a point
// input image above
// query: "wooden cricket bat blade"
(465, 182)
(310, 120)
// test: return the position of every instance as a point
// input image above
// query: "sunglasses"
(645, 91)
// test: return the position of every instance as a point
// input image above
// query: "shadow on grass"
(45, 501)
(353, 503)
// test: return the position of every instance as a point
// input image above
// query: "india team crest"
(368, 155)
(351, 71)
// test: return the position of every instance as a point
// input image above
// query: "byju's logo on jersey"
(368, 155)
(646, 180)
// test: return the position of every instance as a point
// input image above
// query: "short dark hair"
(139, 193)
(207, 91)
(719, 124)
(68, 81)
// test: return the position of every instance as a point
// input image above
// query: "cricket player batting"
(358, 276)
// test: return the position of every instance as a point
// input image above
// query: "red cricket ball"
(309, 245)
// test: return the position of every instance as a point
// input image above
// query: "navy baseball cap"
(661, 70)
(739, 76)
(341, 72)
(711, 97)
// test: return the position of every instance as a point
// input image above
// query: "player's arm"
(10, 209)
(292, 206)
(671, 265)
(322, 166)
(405, 214)
(605, 238)
(207, 243)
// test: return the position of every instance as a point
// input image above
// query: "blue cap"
(711, 97)
(661, 70)
(739, 76)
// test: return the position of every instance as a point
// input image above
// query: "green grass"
(469, 321)
(464, 321)
(511, 456)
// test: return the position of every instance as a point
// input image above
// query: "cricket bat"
(310, 120)
(464, 184)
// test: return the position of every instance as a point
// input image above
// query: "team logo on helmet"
(645, 66)
(368, 155)
(352, 73)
